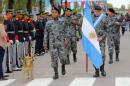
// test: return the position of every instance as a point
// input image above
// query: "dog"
(28, 67)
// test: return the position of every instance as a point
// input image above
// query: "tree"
(3, 5)
(29, 6)
(40, 5)
(0, 6)
(20, 5)
(110, 5)
(11, 4)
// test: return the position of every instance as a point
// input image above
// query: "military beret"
(9, 11)
(30, 15)
(112, 10)
(20, 12)
(68, 9)
(25, 14)
(54, 8)
(97, 8)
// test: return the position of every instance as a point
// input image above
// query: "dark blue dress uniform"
(39, 37)
(19, 46)
(10, 29)
(19, 29)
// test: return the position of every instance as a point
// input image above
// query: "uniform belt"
(25, 31)
(20, 31)
(11, 32)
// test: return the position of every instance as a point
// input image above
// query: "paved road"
(118, 74)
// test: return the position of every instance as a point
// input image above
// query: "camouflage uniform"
(101, 32)
(70, 23)
(113, 37)
(54, 34)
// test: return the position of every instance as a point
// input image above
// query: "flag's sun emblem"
(92, 35)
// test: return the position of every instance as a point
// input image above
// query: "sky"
(118, 3)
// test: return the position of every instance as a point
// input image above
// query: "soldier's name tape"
(120, 81)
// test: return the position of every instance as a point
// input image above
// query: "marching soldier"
(10, 29)
(55, 35)
(20, 40)
(39, 35)
(71, 34)
(113, 35)
(101, 33)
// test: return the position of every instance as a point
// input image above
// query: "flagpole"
(86, 62)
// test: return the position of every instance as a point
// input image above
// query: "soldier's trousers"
(123, 30)
(73, 45)
(12, 50)
(39, 44)
(57, 51)
(113, 43)
(33, 48)
(26, 43)
(10, 55)
(2, 51)
(68, 48)
(21, 53)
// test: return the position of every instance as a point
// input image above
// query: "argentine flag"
(89, 39)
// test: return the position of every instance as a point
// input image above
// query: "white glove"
(17, 41)
(24, 38)
(11, 41)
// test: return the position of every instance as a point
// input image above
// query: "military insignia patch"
(92, 35)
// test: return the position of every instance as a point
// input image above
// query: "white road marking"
(6, 82)
(122, 81)
(83, 82)
(40, 82)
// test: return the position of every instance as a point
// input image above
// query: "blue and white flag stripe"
(48, 6)
(90, 44)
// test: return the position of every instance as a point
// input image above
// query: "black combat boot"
(63, 69)
(103, 73)
(56, 76)
(3, 78)
(74, 58)
(117, 57)
(111, 58)
(96, 73)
